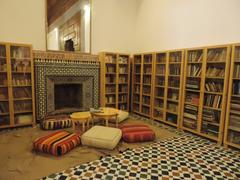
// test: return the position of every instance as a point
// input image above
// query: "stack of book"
(214, 101)
(123, 60)
(189, 123)
(210, 116)
(214, 86)
(193, 84)
(191, 112)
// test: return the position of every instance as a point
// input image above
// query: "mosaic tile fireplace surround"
(53, 69)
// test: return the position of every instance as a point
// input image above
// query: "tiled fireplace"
(65, 80)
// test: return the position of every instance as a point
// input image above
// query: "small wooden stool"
(80, 118)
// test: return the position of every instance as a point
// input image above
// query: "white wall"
(171, 24)
(23, 22)
(113, 25)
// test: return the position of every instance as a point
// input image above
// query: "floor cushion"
(57, 143)
(132, 133)
(51, 122)
(122, 115)
(102, 137)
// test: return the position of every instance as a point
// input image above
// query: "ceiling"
(56, 8)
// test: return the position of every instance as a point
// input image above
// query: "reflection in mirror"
(68, 25)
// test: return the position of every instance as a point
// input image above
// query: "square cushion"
(57, 143)
(137, 133)
(102, 137)
(122, 115)
(56, 122)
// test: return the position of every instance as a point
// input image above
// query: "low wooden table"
(106, 114)
(81, 118)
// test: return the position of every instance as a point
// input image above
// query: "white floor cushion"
(122, 115)
(102, 137)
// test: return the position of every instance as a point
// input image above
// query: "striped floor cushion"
(132, 133)
(56, 122)
(57, 143)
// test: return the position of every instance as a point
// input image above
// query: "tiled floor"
(183, 157)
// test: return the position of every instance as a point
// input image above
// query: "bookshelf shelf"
(115, 80)
(232, 125)
(17, 66)
(203, 108)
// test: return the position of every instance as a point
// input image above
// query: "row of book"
(173, 82)
(123, 70)
(122, 79)
(172, 106)
(194, 70)
(110, 99)
(137, 59)
(175, 69)
(3, 66)
(214, 101)
(110, 69)
(146, 100)
(147, 59)
(159, 92)
(122, 106)
(160, 69)
(122, 98)
(195, 56)
(20, 52)
(161, 58)
(173, 95)
(2, 51)
(236, 72)
(236, 88)
(110, 59)
(214, 86)
(159, 103)
(147, 79)
(21, 66)
(23, 106)
(110, 79)
(145, 110)
(22, 92)
(147, 70)
(21, 81)
(110, 89)
(215, 72)
(137, 69)
(136, 98)
(217, 55)
(3, 80)
(193, 84)
(234, 137)
(4, 107)
(172, 118)
(237, 54)
(158, 113)
(137, 88)
(189, 123)
(122, 88)
(160, 81)
(175, 57)
(211, 129)
(146, 90)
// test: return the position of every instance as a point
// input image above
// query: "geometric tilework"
(183, 157)
(50, 68)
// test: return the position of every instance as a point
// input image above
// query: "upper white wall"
(113, 25)
(172, 24)
(23, 22)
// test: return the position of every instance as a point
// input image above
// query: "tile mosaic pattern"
(50, 68)
(183, 157)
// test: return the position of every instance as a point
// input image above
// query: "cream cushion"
(102, 137)
(122, 115)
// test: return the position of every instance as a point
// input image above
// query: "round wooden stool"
(80, 118)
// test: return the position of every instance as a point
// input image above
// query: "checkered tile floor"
(184, 157)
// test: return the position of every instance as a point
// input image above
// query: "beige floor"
(17, 161)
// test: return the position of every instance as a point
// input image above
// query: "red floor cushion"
(137, 133)
(57, 143)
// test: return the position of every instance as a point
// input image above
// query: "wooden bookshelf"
(168, 76)
(142, 80)
(205, 91)
(17, 103)
(115, 80)
(232, 125)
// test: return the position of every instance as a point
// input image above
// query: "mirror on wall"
(68, 25)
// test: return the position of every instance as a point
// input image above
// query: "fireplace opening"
(67, 96)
